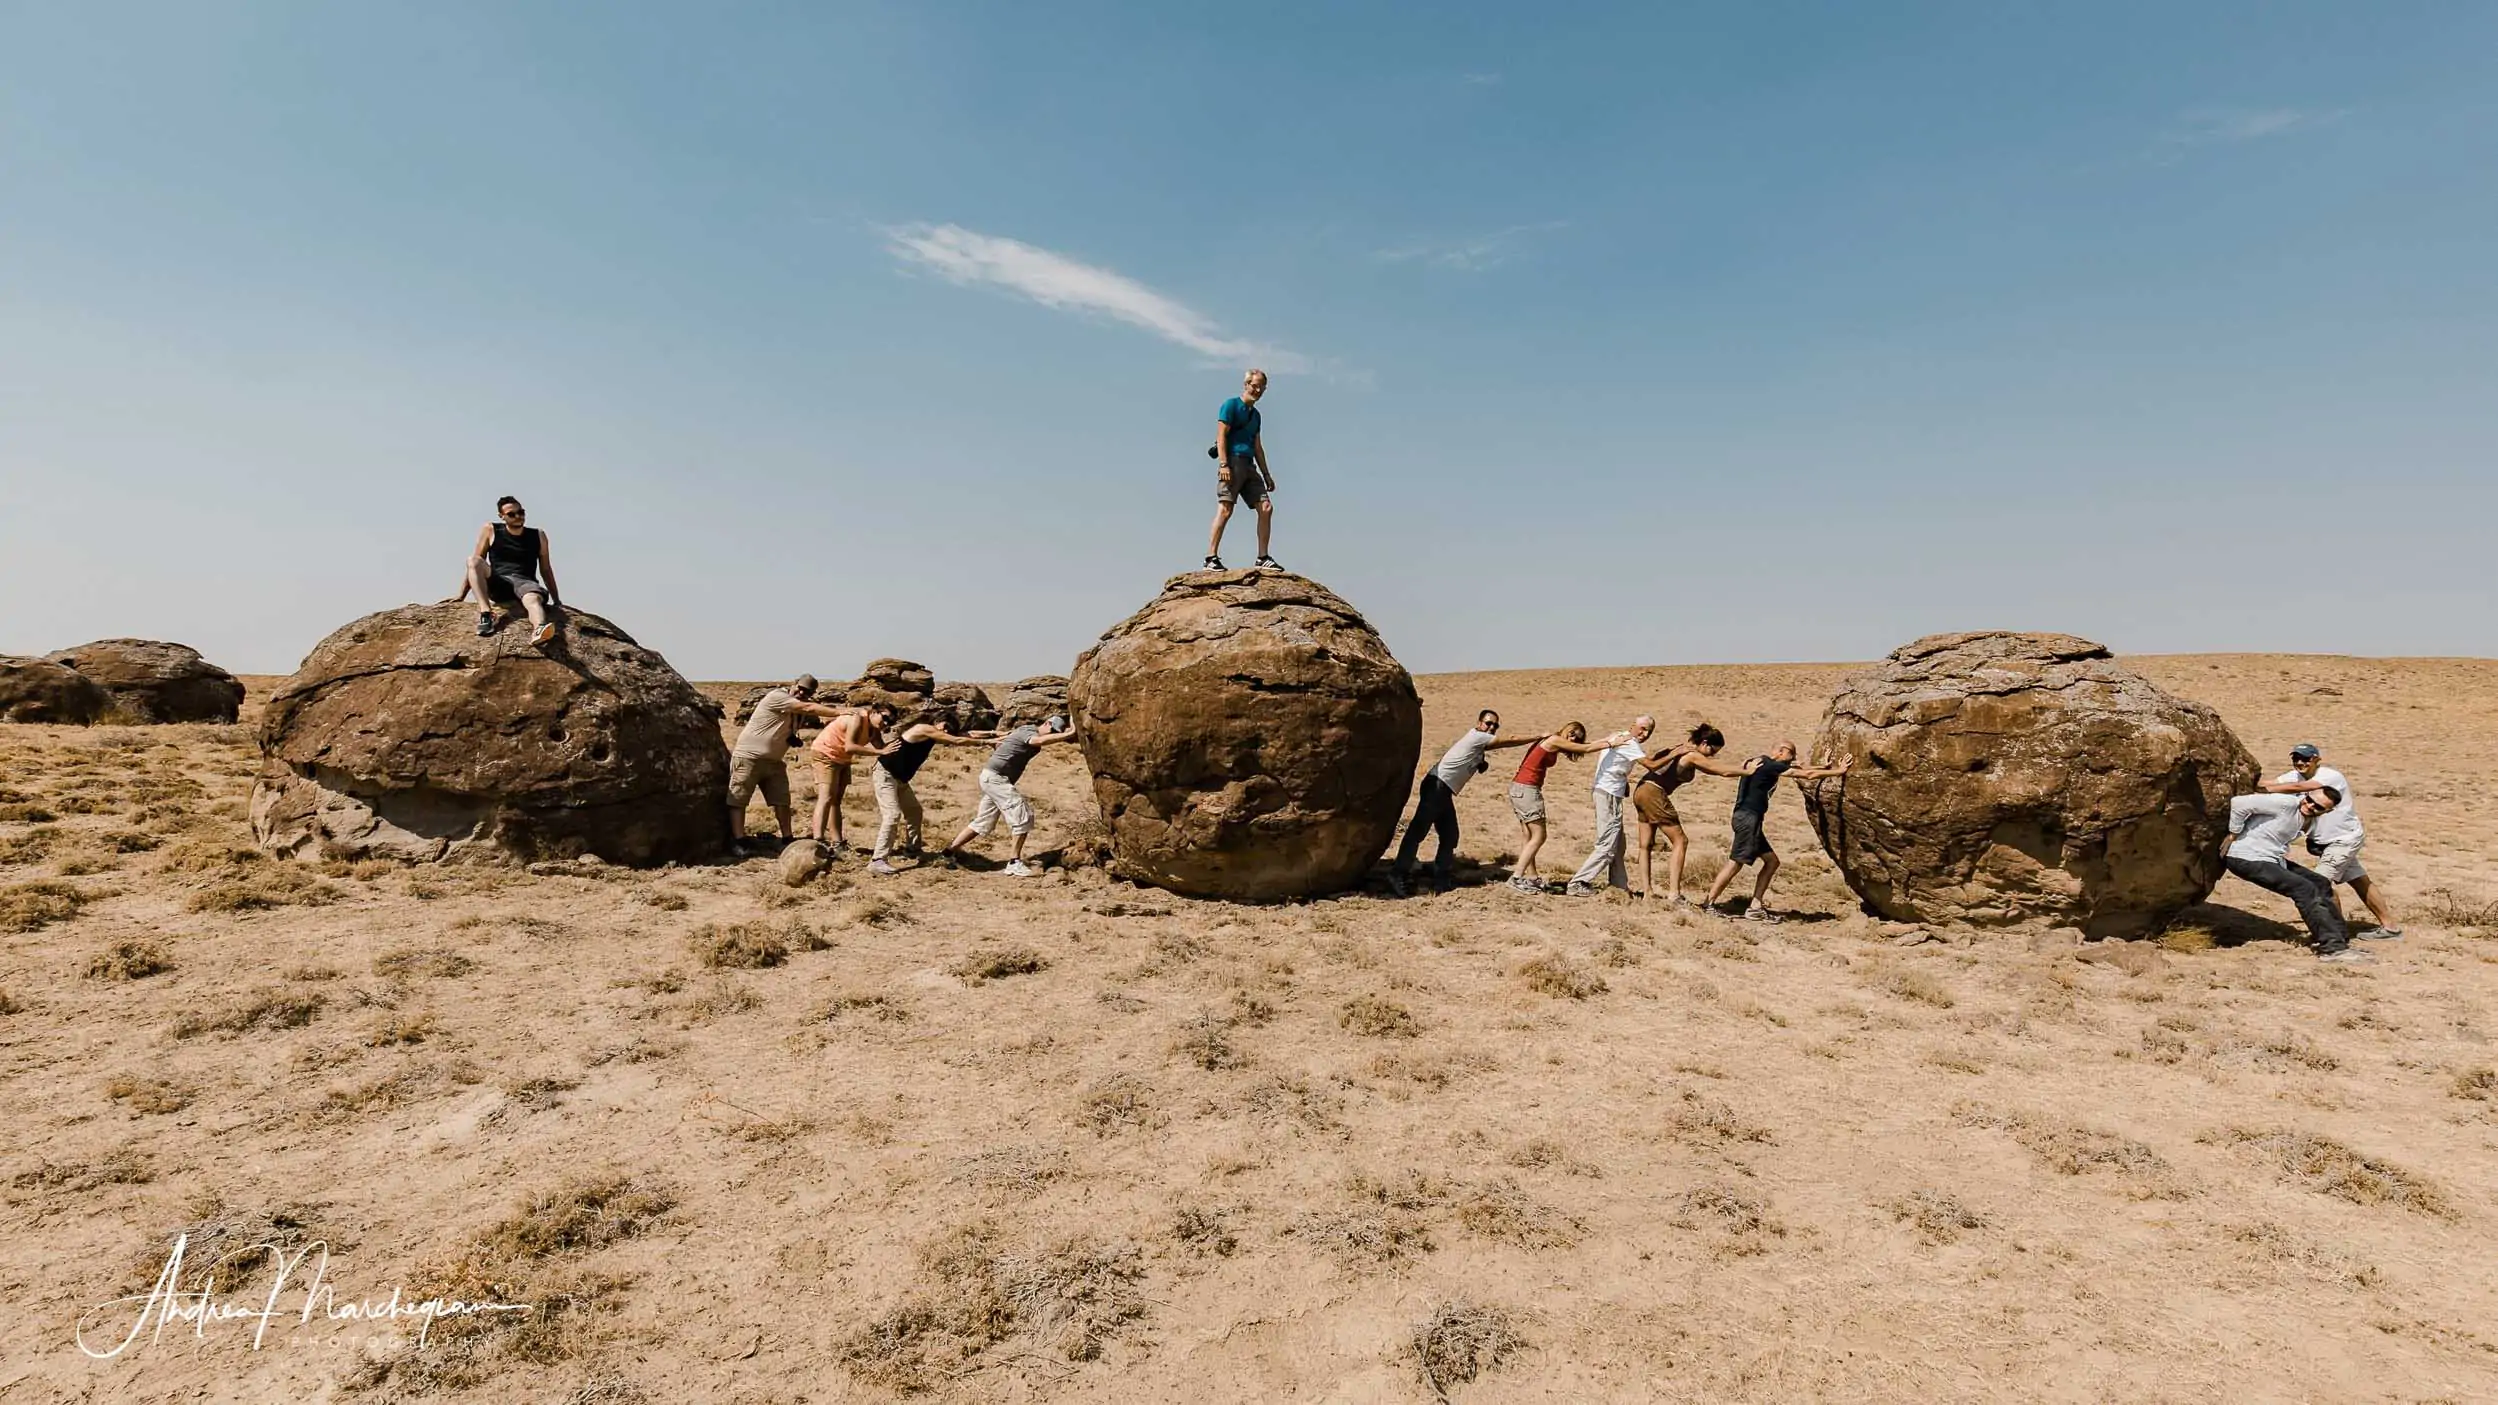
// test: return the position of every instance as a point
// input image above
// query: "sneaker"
(485, 623)
(2378, 934)
(1579, 890)
(881, 868)
(1214, 563)
(1525, 884)
(1016, 868)
(1396, 883)
(2348, 956)
(1270, 563)
(1757, 913)
(544, 636)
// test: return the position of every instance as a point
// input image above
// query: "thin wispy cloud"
(1476, 254)
(2234, 126)
(973, 259)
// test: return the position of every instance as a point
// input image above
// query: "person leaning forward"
(2257, 849)
(758, 759)
(1435, 802)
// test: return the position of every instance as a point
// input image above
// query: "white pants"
(999, 800)
(897, 808)
(1605, 860)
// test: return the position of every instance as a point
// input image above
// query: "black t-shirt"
(1752, 792)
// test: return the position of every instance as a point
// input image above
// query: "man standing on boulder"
(1000, 800)
(1612, 785)
(504, 569)
(2336, 835)
(757, 759)
(897, 805)
(1435, 802)
(1760, 777)
(1241, 474)
(2257, 849)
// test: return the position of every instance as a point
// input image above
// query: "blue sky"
(1601, 334)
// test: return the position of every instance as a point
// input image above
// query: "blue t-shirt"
(1240, 428)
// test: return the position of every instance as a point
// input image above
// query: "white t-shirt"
(2339, 823)
(1613, 767)
(766, 737)
(2263, 827)
(1464, 760)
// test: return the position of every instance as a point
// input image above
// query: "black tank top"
(905, 763)
(514, 553)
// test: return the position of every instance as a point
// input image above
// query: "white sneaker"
(2348, 956)
(1016, 869)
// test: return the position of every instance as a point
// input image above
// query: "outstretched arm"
(1507, 742)
(1821, 773)
(2289, 787)
(1716, 767)
(1054, 738)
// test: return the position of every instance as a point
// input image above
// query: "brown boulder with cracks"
(2004, 778)
(1250, 737)
(152, 681)
(404, 735)
(40, 690)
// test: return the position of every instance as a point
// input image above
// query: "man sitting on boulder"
(757, 759)
(1000, 800)
(1760, 777)
(2261, 830)
(504, 568)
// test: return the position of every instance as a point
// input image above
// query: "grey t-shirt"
(1464, 760)
(766, 737)
(1014, 752)
(2263, 827)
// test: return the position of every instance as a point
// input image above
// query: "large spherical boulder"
(154, 681)
(39, 690)
(1250, 737)
(405, 735)
(2006, 778)
(1032, 701)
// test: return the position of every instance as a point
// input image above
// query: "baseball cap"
(1056, 723)
(2304, 751)
(804, 680)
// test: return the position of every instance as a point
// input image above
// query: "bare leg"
(969, 834)
(823, 800)
(1760, 885)
(535, 604)
(477, 581)
(1725, 875)
(1266, 523)
(832, 803)
(1680, 843)
(2367, 892)
(1531, 843)
(1647, 860)
(780, 816)
(1214, 537)
(1018, 856)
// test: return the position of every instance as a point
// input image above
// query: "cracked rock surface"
(404, 735)
(152, 681)
(41, 690)
(1250, 737)
(2005, 778)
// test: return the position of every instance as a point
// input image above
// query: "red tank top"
(1538, 760)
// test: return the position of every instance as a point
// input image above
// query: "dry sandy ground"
(1067, 1139)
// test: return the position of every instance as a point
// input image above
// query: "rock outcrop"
(1033, 699)
(2006, 778)
(1250, 737)
(152, 681)
(39, 690)
(965, 707)
(405, 735)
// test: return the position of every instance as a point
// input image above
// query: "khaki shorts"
(1653, 805)
(1526, 802)
(999, 800)
(2338, 862)
(748, 772)
(1243, 484)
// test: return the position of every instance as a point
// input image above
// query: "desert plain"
(958, 1136)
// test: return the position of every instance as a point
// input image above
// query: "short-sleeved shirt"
(1613, 767)
(1752, 792)
(1014, 752)
(1240, 427)
(1463, 760)
(2342, 821)
(2263, 827)
(766, 737)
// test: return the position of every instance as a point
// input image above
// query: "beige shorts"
(746, 773)
(999, 800)
(1526, 802)
(2338, 862)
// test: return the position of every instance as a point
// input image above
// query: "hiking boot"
(1579, 890)
(881, 868)
(2347, 956)
(1015, 868)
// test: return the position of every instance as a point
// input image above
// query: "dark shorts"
(1653, 805)
(1750, 843)
(506, 588)
(1245, 484)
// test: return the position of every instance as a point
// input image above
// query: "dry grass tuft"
(393, 1030)
(738, 946)
(261, 887)
(274, 1007)
(1023, 1169)
(1704, 1119)
(877, 910)
(1500, 1210)
(2295, 1047)
(1615, 952)
(1909, 983)
(720, 998)
(870, 1005)
(29, 907)
(1203, 1229)
(2073, 1150)
(1742, 1226)
(123, 1165)
(2188, 938)
(1364, 1238)
(1204, 1040)
(1557, 975)
(2480, 1084)
(1293, 1101)
(1544, 1151)
(998, 963)
(413, 962)
(1119, 1100)
(1374, 1018)
(234, 1245)
(1460, 1341)
(1939, 1218)
(2327, 1167)
(1071, 1298)
(2447, 908)
(129, 960)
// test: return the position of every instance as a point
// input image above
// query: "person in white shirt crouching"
(2336, 835)
(2261, 830)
